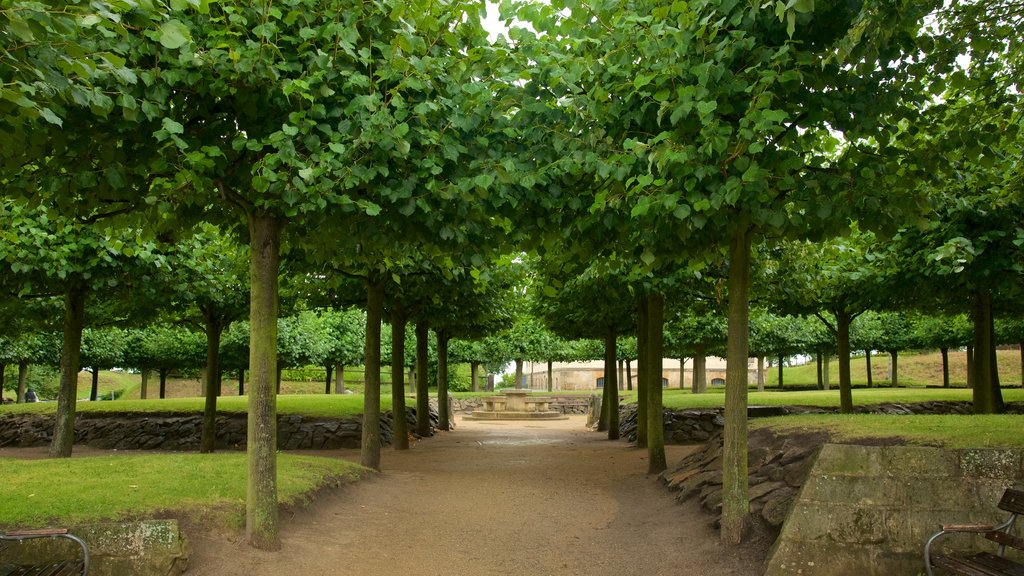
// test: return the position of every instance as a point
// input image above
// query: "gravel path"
(502, 498)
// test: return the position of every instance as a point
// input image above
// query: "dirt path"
(494, 499)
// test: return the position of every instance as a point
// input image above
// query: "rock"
(777, 505)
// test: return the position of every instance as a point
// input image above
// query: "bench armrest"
(980, 528)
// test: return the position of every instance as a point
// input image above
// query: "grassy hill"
(914, 369)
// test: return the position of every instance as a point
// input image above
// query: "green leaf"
(484, 180)
(648, 257)
(173, 34)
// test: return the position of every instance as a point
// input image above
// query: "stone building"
(585, 375)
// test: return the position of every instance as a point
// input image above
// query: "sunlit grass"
(320, 405)
(679, 399)
(952, 431)
(84, 489)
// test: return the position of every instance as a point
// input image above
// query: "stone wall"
(148, 548)
(565, 404)
(181, 431)
(868, 510)
(694, 426)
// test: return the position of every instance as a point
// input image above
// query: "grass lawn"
(678, 399)
(335, 405)
(973, 431)
(86, 489)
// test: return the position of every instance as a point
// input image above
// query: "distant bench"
(984, 563)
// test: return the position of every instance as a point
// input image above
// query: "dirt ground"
(502, 498)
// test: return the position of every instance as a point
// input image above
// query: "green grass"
(322, 405)
(77, 490)
(974, 431)
(679, 399)
(914, 369)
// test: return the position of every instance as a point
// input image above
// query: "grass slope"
(124, 486)
(319, 405)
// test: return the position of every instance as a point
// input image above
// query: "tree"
(44, 248)
(710, 126)
(835, 281)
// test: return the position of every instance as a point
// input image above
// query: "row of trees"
(662, 161)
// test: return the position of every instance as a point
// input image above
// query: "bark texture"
(370, 455)
(398, 323)
(656, 461)
(735, 486)
(443, 417)
(70, 365)
(261, 517)
(422, 386)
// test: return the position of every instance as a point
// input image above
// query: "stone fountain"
(516, 405)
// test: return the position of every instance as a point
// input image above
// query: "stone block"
(918, 462)
(851, 460)
(147, 548)
(990, 463)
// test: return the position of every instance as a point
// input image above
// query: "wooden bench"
(984, 563)
(53, 567)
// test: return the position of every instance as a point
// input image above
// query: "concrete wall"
(868, 510)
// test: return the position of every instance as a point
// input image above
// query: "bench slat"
(1012, 501)
(1006, 539)
(66, 568)
(983, 564)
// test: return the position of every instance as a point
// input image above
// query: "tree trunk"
(144, 386)
(474, 368)
(551, 377)
(781, 366)
(700, 370)
(22, 380)
(826, 367)
(970, 366)
(261, 517)
(843, 321)
(422, 386)
(70, 356)
(277, 380)
(163, 383)
(682, 373)
(519, 373)
(622, 369)
(821, 384)
(760, 373)
(867, 360)
(398, 322)
(629, 375)
(339, 378)
(3, 382)
(371, 375)
(894, 368)
(214, 329)
(656, 460)
(610, 403)
(443, 417)
(241, 381)
(945, 366)
(643, 368)
(327, 378)
(987, 396)
(735, 485)
(94, 389)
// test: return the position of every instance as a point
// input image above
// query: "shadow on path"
(494, 498)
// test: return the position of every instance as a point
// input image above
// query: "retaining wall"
(868, 510)
(182, 431)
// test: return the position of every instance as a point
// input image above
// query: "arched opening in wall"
(718, 381)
